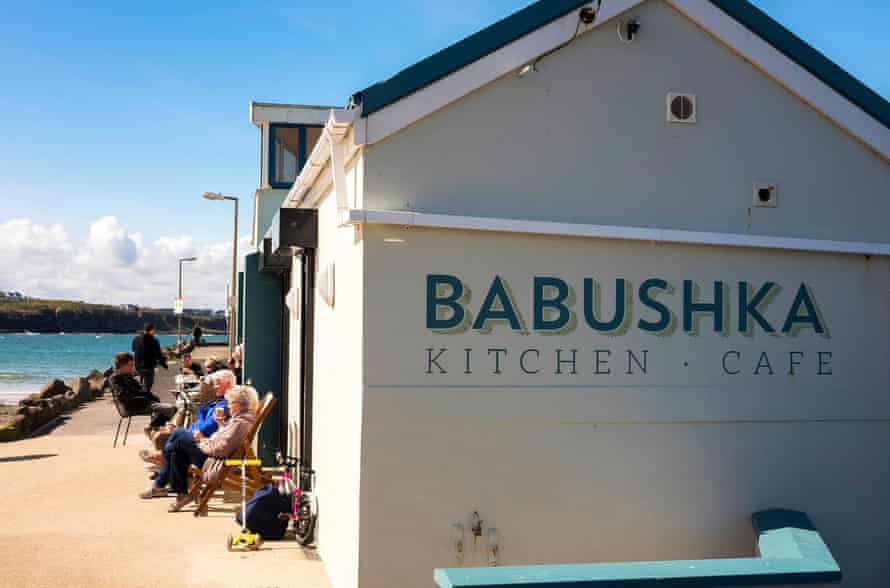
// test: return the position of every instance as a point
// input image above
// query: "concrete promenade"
(69, 516)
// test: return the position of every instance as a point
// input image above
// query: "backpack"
(263, 510)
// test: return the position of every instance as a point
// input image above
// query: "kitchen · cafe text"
(656, 307)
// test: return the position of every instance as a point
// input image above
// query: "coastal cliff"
(54, 316)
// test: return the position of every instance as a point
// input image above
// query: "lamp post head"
(182, 259)
(217, 196)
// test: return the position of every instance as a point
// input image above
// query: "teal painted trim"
(463, 53)
(302, 150)
(799, 51)
(239, 326)
(268, 203)
(535, 16)
(791, 552)
(262, 348)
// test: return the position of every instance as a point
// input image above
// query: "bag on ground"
(263, 510)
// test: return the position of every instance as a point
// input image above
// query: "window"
(289, 146)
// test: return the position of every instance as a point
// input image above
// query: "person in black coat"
(197, 334)
(148, 356)
(132, 395)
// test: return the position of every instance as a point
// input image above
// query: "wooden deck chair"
(202, 493)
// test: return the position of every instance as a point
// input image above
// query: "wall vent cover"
(681, 108)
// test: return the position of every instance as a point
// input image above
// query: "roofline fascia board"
(267, 112)
(647, 234)
(771, 31)
(463, 52)
(336, 131)
(394, 117)
(788, 73)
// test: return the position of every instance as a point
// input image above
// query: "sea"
(30, 360)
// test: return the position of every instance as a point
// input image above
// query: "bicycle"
(304, 504)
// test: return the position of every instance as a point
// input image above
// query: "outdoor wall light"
(457, 541)
(628, 30)
(588, 13)
(493, 546)
(525, 70)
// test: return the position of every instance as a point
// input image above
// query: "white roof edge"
(787, 73)
(408, 110)
(336, 127)
(650, 234)
(773, 63)
(268, 112)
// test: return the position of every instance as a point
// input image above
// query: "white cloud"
(112, 265)
(109, 240)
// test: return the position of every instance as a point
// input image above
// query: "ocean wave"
(15, 377)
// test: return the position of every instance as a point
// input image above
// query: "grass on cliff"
(37, 305)
(33, 305)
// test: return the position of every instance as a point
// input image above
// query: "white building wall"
(588, 467)
(585, 139)
(295, 354)
(337, 426)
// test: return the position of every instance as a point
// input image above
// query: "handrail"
(791, 552)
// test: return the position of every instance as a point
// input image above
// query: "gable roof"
(462, 53)
(543, 12)
(799, 51)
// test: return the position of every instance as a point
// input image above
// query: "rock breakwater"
(53, 400)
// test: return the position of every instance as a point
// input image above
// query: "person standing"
(148, 354)
(197, 333)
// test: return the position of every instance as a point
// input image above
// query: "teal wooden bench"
(791, 552)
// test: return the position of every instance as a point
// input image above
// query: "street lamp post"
(179, 316)
(232, 289)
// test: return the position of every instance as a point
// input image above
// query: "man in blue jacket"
(184, 442)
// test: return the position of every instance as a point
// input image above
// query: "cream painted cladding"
(585, 139)
(338, 398)
(295, 351)
(581, 446)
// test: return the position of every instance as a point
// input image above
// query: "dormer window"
(289, 146)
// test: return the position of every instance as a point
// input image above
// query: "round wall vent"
(681, 108)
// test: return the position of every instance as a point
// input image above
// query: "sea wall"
(53, 400)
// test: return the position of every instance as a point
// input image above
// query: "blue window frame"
(289, 146)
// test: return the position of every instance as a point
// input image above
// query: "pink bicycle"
(304, 505)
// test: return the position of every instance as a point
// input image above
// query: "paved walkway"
(69, 516)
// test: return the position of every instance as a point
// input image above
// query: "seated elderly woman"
(183, 449)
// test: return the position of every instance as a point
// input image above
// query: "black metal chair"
(125, 414)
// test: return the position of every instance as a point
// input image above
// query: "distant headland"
(54, 316)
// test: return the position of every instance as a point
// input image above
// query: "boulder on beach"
(82, 389)
(97, 382)
(71, 401)
(54, 388)
(35, 416)
(31, 400)
(52, 406)
(14, 429)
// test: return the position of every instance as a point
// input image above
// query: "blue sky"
(133, 109)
